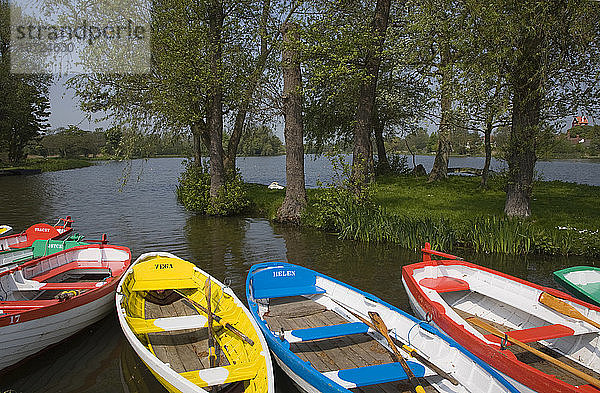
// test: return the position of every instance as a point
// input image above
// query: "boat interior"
(345, 350)
(60, 276)
(580, 351)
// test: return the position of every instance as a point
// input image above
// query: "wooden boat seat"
(322, 332)
(270, 293)
(372, 375)
(535, 334)
(169, 324)
(444, 284)
(75, 265)
(225, 374)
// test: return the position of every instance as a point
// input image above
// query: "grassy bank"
(53, 164)
(454, 213)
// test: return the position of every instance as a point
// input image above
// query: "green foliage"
(73, 142)
(397, 165)
(260, 141)
(409, 211)
(24, 101)
(193, 192)
(53, 164)
(263, 201)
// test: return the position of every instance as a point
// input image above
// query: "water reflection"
(87, 362)
(135, 376)
(216, 245)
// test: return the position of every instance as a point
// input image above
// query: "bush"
(193, 192)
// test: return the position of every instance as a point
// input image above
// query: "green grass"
(53, 164)
(459, 197)
(454, 213)
(263, 202)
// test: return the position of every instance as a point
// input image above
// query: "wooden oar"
(564, 308)
(212, 354)
(478, 322)
(217, 318)
(381, 328)
(406, 348)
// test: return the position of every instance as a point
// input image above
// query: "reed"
(367, 222)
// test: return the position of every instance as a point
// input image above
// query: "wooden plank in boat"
(537, 362)
(331, 354)
(185, 350)
(294, 307)
(309, 351)
(162, 343)
(373, 354)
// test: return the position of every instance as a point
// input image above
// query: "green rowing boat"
(583, 282)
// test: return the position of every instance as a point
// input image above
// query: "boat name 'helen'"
(284, 273)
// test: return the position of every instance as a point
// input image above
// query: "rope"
(410, 330)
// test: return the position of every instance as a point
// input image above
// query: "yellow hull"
(159, 274)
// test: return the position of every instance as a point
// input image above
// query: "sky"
(64, 109)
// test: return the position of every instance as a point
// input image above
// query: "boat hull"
(169, 378)
(420, 313)
(46, 300)
(300, 383)
(429, 304)
(19, 341)
(583, 282)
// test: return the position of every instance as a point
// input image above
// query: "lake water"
(318, 168)
(144, 215)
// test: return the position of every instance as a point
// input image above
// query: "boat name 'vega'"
(284, 273)
(160, 266)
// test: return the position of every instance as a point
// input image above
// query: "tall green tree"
(551, 53)
(438, 34)
(362, 155)
(210, 57)
(24, 98)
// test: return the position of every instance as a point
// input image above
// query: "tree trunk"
(488, 153)
(440, 165)
(200, 136)
(362, 155)
(215, 101)
(383, 165)
(295, 193)
(240, 117)
(527, 103)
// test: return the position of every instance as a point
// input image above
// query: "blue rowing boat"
(330, 337)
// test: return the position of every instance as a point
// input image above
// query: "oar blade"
(564, 308)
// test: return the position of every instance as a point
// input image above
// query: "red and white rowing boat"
(40, 231)
(470, 302)
(46, 300)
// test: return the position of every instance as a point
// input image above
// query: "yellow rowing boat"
(163, 310)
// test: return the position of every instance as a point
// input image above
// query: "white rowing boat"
(44, 301)
(520, 328)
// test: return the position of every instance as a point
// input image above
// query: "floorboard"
(338, 353)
